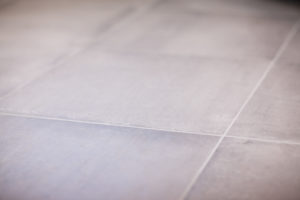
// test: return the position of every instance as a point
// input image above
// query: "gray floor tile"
(200, 35)
(256, 8)
(274, 111)
(164, 92)
(291, 54)
(35, 34)
(41, 159)
(248, 170)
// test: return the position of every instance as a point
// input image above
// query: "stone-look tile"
(34, 35)
(253, 8)
(43, 159)
(200, 35)
(163, 92)
(291, 54)
(274, 111)
(248, 170)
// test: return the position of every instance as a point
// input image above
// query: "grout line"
(37, 117)
(280, 51)
(273, 141)
(103, 124)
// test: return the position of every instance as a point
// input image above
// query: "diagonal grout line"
(203, 133)
(273, 141)
(280, 51)
(30, 116)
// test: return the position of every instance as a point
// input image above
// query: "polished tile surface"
(36, 35)
(248, 170)
(43, 159)
(162, 92)
(203, 34)
(149, 99)
(274, 111)
(291, 54)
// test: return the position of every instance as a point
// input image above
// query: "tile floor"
(149, 100)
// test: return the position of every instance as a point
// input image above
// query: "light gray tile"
(164, 92)
(200, 35)
(35, 34)
(250, 170)
(291, 54)
(274, 111)
(57, 160)
(254, 8)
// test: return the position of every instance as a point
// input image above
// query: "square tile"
(200, 34)
(274, 111)
(250, 170)
(57, 160)
(188, 94)
(34, 35)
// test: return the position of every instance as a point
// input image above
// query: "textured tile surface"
(169, 67)
(186, 94)
(43, 159)
(274, 111)
(291, 54)
(250, 171)
(35, 35)
(200, 35)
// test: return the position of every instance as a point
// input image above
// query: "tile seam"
(37, 117)
(269, 67)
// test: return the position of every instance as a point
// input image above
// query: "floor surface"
(149, 100)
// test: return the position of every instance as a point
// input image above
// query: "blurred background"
(149, 99)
